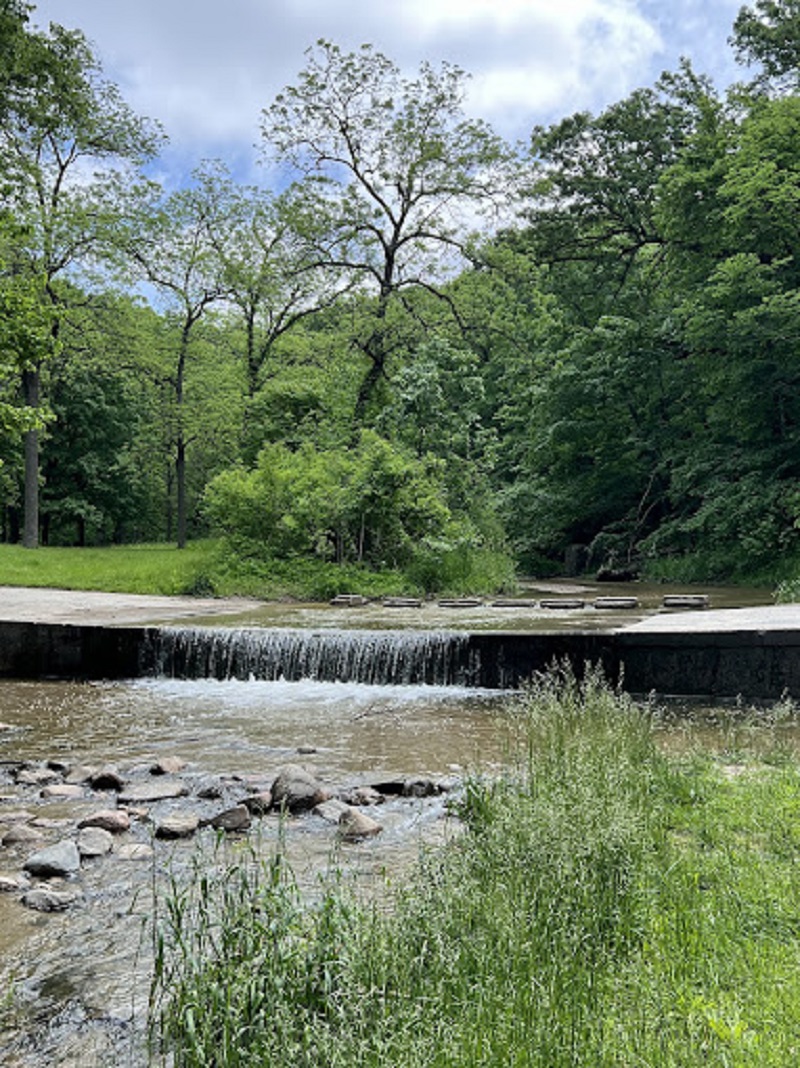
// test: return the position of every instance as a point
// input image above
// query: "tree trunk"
(30, 533)
(180, 479)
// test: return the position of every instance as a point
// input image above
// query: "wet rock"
(161, 789)
(258, 804)
(108, 819)
(59, 766)
(6, 727)
(363, 795)
(16, 815)
(107, 778)
(46, 899)
(12, 884)
(80, 774)
(66, 791)
(306, 750)
(232, 819)
(181, 825)
(134, 851)
(170, 765)
(20, 834)
(296, 789)
(355, 825)
(51, 823)
(53, 861)
(40, 776)
(331, 811)
(210, 790)
(421, 788)
(94, 842)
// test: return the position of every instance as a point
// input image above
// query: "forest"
(427, 351)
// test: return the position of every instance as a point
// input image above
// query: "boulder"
(258, 804)
(296, 789)
(180, 825)
(170, 765)
(107, 778)
(40, 776)
(363, 795)
(109, 819)
(80, 774)
(355, 825)
(94, 842)
(332, 810)
(232, 819)
(54, 861)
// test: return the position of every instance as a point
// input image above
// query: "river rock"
(296, 789)
(170, 765)
(332, 810)
(15, 815)
(354, 825)
(12, 884)
(108, 819)
(363, 795)
(56, 860)
(107, 778)
(63, 790)
(232, 819)
(20, 834)
(421, 788)
(51, 823)
(36, 776)
(210, 789)
(161, 789)
(94, 842)
(80, 774)
(180, 825)
(134, 851)
(258, 804)
(46, 899)
(6, 727)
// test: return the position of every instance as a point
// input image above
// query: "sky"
(206, 68)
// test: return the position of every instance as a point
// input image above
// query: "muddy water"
(80, 978)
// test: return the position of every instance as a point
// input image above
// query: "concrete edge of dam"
(747, 663)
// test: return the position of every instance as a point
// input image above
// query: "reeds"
(606, 907)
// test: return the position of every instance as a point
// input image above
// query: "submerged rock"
(46, 899)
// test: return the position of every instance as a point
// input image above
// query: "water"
(81, 977)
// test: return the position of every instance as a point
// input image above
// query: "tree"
(404, 172)
(61, 123)
(768, 34)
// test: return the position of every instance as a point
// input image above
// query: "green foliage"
(605, 905)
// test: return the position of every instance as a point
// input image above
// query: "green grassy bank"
(212, 568)
(607, 905)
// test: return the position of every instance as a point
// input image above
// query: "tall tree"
(65, 139)
(404, 170)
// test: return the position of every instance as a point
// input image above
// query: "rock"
(36, 776)
(108, 819)
(421, 788)
(332, 811)
(170, 765)
(363, 795)
(57, 765)
(177, 826)
(66, 791)
(12, 884)
(161, 789)
(6, 727)
(210, 790)
(107, 778)
(232, 819)
(306, 750)
(296, 789)
(134, 851)
(60, 859)
(21, 833)
(354, 825)
(16, 815)
(45, 899)
(80, 774)
(94, 842)
(51, 823)
(258, 804)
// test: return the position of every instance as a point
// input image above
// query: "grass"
(607, 906)
(211, 568)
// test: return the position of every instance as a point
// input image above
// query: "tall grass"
(604, 907)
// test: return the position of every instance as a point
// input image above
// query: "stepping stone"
(563, 602)
(686, 600)
(402, 602)
(349, 600)
(460, 602)
(614, 603)
(515, 603)
(160, 789)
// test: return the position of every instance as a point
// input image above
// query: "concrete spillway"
(743, 657)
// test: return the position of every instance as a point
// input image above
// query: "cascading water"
(439, 658)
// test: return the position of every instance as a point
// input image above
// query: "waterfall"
(377, 657)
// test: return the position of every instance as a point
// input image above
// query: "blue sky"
(206, 68)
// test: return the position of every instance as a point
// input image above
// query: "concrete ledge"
(748, 663)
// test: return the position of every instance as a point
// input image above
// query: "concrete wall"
(752, 664)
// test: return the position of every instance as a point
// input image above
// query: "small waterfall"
(380, 657)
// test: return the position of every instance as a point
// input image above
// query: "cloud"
(207, 69)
